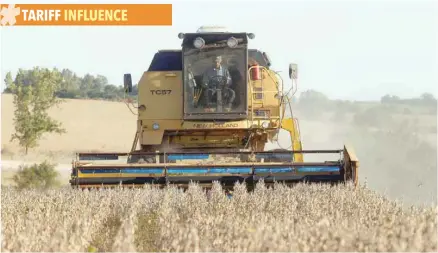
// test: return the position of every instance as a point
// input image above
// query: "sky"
(358, 50)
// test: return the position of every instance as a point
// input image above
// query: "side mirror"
(127, 83)
(293, 71)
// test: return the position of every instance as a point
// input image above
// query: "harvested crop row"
(303, 218)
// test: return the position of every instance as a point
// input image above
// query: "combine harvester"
(205, 113)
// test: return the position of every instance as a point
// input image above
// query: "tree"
(428, 99)
(34, 93)
(313, 103)
(388, 99)
(428, 96)
(312, 96)
(8, 82)
(43, 175)
(69, 87)
(375, 117)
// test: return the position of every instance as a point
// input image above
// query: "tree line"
(426, 99)
(70, 85)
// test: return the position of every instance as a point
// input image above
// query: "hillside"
(90, 124)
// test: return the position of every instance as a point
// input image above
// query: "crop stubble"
(303, 218)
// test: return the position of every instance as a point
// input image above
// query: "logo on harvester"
(216, 125)
(161, 92)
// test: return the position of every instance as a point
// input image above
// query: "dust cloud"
(398, 158)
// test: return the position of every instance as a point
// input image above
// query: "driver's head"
(217, 61)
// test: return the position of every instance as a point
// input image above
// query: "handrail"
(252, 93)
(262, 68)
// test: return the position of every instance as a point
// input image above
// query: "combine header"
(205, 113)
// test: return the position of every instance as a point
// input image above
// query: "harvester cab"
(205, 113)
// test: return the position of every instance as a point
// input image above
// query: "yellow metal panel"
(268, 85)
(179, 124)
(161, 94)
(193, 125)
(174, 124)
(289, 125)
(194, 141)
(212, 125)
(153, 137)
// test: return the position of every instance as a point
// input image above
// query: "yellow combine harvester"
(205, 113)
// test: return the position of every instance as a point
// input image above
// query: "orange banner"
(86, 14)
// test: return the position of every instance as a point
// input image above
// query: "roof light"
(199, 42)
(232, 42)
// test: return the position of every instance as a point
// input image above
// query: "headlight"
(232, 42)
(155, 126)
(198, 42)
(265, 124)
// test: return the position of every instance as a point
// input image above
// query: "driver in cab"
(210, 79)
(216, 70)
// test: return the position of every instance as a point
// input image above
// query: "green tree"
(43, 175)
(8, 82)
(34, 93)
(69, 87)
(74, 86)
